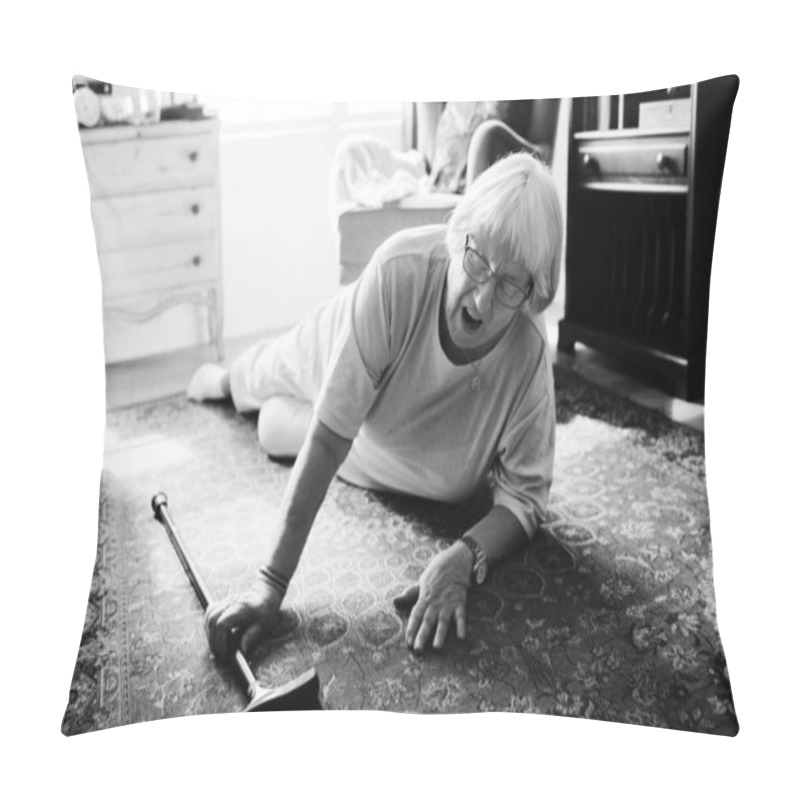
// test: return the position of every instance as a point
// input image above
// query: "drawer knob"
(590, 164)
(195, 208)
(666, 163)
(196, 261)
(193, 155)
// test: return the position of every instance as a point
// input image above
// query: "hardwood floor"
(152, 377)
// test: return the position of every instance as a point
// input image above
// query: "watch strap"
(480, 564)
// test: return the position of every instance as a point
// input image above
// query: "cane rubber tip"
(159, 499)
(301, 694)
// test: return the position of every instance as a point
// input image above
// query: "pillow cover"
(608, 613)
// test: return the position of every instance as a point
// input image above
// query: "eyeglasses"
(478, 270)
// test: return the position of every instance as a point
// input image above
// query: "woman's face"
(475, 317)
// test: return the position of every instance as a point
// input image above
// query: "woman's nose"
(484, 293)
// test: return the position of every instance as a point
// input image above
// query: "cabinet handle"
(666, 163)
(193, 155)
(196, 261)
(590, 164)
(195, 208)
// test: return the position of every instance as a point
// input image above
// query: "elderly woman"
(430, 376)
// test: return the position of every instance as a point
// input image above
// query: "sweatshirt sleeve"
(522, 471)
(361, 354)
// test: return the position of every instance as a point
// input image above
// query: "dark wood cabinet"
(645, 172)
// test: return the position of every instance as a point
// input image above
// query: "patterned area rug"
(609, 614)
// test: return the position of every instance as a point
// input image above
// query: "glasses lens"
(476, 267)
(509, 294)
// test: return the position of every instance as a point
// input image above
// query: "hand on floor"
(438, 600)
(242, 621)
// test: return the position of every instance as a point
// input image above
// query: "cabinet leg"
(566, 342)
(566, 347)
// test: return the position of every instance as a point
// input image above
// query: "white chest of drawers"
(155, 207)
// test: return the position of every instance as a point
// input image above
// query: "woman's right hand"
(242, 621)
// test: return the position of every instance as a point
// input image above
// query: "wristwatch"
(480, 564)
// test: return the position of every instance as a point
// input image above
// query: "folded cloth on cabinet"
(367, 173)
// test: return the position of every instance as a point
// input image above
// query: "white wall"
(278, 245)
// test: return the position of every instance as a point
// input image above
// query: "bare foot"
(210, 382)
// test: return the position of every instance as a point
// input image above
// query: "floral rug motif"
(608, 614)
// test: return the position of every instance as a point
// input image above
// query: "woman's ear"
(535, 305)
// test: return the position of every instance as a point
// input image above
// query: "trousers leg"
(283, 423)
(294, 363)
(285, 365)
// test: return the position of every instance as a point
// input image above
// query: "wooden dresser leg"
(215, 323)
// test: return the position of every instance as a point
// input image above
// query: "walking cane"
(300, 694)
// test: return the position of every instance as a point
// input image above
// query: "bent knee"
(282, 426)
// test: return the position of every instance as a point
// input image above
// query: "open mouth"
(470, 323)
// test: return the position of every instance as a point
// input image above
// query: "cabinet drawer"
(145, 269)
(150, 164)
(656, 158)
(154, 218)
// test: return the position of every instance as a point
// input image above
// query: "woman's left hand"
(439, 599)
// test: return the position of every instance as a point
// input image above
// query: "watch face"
(481, 570)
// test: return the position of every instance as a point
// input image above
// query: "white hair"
(513, 209)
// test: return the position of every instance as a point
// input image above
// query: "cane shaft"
(189, 567)
(196, 579)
